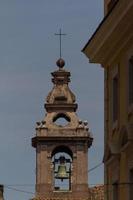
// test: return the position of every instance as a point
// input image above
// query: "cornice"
(113, 34)
(81, 139)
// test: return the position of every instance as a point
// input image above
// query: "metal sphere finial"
(60, 63)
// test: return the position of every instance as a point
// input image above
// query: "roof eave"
(106, 40)
(99, 26)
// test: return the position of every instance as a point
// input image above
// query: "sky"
(28, 54)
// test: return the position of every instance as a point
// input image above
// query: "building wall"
(112, 46)
(108, 5)
(1, 192)
(117, 134)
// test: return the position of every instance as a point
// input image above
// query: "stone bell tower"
(61, 142)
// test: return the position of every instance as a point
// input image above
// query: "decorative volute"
(61, 97)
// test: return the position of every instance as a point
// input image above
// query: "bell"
(62, 172)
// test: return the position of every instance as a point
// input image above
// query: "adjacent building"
(111, 45)
(1, 192)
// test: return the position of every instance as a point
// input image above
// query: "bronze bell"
(62, 171)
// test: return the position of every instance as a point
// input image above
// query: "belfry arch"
(62, 158)
(61, 149)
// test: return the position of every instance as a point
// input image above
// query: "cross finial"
(60, 34)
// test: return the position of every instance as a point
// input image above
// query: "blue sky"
(28, 53)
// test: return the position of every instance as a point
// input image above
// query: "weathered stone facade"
(95, 193)
(51, 138)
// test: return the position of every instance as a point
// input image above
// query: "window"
(115, 98)
(131, 184)
(130, 83)
(115, 191)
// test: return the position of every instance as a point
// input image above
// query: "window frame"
(129, 104)
(115, 98)
(130, 81)
(115, 190)
(114, 74)
(130, 186)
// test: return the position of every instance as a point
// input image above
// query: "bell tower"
(61, 142)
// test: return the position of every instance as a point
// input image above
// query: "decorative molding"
(114, 29)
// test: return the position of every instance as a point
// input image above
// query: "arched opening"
(61, 149)
(61, 119)
(62, 165)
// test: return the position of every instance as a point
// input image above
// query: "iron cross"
(60, 34)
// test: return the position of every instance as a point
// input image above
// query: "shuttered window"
(131, 185)
(115, 98)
